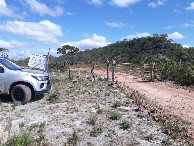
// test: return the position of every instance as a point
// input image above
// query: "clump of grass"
(166, 143)
(107, 94)
(93, 118)
(21, 140)
(41, 126)
(140, 115)
(117, 104)
(96, 131)
(149, 137)
(54, 97)
(36, 125)
(99, 111)
(125, 125)
(115, 116)
(74, 138)
(21, 125)
(33, 126)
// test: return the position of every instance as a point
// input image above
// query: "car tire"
(21, 93)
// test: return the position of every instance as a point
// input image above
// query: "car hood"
(35, 72)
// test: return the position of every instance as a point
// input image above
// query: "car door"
(2, 79)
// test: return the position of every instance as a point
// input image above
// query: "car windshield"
(9, 64)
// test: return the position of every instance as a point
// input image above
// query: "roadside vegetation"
(85, 118)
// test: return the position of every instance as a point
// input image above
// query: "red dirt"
(173, 99)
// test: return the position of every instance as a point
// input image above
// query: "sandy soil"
(172, 98)
(52, 123)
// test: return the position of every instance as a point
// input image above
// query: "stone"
(123, 108)
(4, 137)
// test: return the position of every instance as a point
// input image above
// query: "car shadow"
(5, 98)
(37, 97)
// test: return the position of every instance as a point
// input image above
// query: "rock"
(4, 137)
(123, 108)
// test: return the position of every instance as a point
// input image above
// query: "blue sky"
(33, 26)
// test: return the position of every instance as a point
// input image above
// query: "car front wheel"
(21, 93)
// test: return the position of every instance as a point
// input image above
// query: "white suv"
(22, 84)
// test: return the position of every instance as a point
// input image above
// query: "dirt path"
(175, 100)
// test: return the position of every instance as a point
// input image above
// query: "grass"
(74, 138)
(115, 116)
(25, 139)
(117, 104)
(125, 125)
(96, 131)
(93, 118)
(99, 111)
(149, 137)
(54, 97)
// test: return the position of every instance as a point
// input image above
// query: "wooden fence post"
(92, 71)
(47, 60)
(69, 70)
(108, 65)
(153, 71)
(113, 69)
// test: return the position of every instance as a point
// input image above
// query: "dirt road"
(173, 99)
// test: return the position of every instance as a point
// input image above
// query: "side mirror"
(1, 69)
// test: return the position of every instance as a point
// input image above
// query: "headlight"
(39, 78)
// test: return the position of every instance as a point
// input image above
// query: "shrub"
(96, 131)
(21, 140)
(99, 111)
(93, 118)
(54, 97)
(117, 104)
(125, 125)
(115, 116)
(74, 138)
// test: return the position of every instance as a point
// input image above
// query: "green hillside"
(137, 51)
(172, 60)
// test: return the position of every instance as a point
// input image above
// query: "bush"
(93, 118)
(117, 104)
(74, 138)
(96, 131)
(54, 97)
(115, 116)
(125, 125)
(22, 140)
(99, 111)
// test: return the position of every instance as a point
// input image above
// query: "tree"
(3, 53)
(71, 53)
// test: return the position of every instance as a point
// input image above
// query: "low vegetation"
(93, 118)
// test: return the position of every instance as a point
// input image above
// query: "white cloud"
(68, 13)
(16, 55)
(12, 44)
(96, 2)
(156, 4)
(186, 46)
(45, 31)
(188, 25)
(94, 41)
(176, 35)
(123, 3)
(170, 26)
(114, 24)
(137, 35)
(42, 9)
(4, 10)
(176, 11)
(191, 7)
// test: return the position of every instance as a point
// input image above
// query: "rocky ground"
(83, 112)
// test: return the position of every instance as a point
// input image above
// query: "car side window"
(1, 69)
